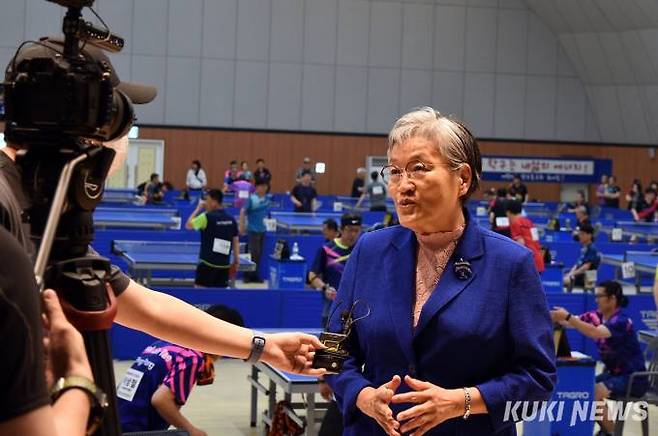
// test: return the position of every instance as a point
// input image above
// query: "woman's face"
(604, 302)
(430, 202)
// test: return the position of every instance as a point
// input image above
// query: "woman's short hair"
(451, 137)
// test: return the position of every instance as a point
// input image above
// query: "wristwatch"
(96, 395)
(257, 348)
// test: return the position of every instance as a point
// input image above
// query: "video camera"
(60, 102)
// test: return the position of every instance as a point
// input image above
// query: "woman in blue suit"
(458, 322)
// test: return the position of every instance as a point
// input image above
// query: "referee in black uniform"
(219, 238)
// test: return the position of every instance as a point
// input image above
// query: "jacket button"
(412, 370)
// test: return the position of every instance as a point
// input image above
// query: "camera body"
(57, 90)
(52, 98)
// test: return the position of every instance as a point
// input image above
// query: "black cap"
(587, 228)
(349, 219)
(514, 207)
(53, 48)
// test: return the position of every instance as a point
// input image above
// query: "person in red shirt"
(524, 232)
(647, 207)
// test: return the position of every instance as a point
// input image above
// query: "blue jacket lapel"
(400, 273)
(450, 286)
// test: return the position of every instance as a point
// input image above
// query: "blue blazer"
(491, 330)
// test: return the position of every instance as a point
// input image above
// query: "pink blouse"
(434, 251)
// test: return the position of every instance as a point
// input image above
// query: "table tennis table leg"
(254, 397)
(271, 404)
(310, 415)
(638, 282)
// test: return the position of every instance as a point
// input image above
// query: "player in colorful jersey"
(612, 330)
(161, 380)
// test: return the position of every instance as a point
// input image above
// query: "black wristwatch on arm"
(257, 347)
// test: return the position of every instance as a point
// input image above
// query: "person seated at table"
(196, 179)
(589, 259)
(646, 208)
(612, 330)
(330, 260)
(304, 195)
(330, 229)
(154, 190)
(161, 379)
(376, 192)
(579, 202)
(524, 232)
(219, 238)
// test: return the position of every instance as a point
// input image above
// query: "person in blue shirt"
(589, 259)
(330, 260)
(219, 241)
(612, 330)
(161, 380)
(252, 222)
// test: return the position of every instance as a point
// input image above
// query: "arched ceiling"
(613, 45)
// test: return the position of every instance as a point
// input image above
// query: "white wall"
(336, 65)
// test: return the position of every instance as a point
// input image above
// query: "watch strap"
(257, 347)
(98, 398)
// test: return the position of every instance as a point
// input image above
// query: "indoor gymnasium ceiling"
(613, 44)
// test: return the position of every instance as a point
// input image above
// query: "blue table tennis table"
(639, 229)
(144, 257)
(349, 203)
(121, 196)
(290, 384)
(307, 222)
(141, 218)
(645, 262)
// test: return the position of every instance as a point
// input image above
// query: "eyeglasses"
(414, 170)
(597, 296)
